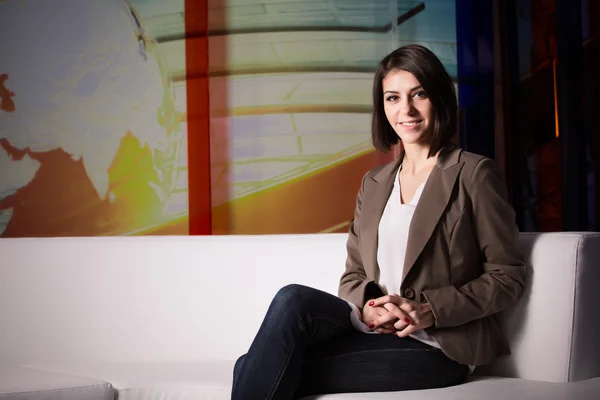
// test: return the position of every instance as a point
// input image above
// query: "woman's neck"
(416, 159)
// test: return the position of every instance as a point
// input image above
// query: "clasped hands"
(393, 314)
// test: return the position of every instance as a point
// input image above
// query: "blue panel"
(475, 65)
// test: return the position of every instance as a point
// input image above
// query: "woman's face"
(407, 107)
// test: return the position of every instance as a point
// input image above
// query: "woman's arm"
(354, 285)
(503, 279)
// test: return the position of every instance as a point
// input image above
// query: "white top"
(391, 245)
(391, 249)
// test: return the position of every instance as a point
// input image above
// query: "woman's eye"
(420, 94)
(392, 98)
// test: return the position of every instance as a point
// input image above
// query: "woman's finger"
(397, 312)
(385, 331)
(400, 325)
(383, 320)
(415, 312)
(389, 325)
(380, 301)
(409, 306)
(407, 331)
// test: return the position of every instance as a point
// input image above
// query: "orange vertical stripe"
(220, 158)
(198, 135)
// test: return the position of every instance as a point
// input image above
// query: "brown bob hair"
(436, 82)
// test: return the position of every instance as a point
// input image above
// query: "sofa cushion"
(212, 381)
(488, 388)
(160, 381)
(18, 383)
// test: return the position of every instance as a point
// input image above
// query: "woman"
(433, 254)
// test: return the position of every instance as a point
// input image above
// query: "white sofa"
(144, 318)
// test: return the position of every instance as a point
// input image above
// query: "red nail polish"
(371, 303)
(372, 326)
(407, 320)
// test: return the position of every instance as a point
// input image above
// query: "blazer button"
(409, 294)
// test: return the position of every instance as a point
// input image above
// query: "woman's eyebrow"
(410, 90)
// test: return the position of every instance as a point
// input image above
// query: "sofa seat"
(212, 381)
(204, 380)
(19, 383)
(489, 388)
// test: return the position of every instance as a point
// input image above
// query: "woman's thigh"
(357, 362)
(298, 318)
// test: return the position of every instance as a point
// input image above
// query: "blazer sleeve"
(354, 286)
(503, 279)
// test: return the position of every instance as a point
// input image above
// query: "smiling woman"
(406, 106)
(401, 321)
(411, 103)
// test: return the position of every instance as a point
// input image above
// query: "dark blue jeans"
(307, 345)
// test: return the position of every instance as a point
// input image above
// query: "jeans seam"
(325, 318)
(288, 356)
(366, 351)
(285, 365)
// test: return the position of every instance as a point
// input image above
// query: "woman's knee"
(294, 298)
(291, 291)
(238, 366)
(288, 296)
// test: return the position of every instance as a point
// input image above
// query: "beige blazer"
(463, 255)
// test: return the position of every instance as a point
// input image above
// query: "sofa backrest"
(174, 299)
(161, 299)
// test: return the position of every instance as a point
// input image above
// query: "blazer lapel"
(432, 203)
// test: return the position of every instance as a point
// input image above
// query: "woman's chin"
(410, 139)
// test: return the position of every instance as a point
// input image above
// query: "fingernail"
(407, 320)
(372, 326)
(371, 303)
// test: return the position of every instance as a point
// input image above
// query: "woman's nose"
(405, 107)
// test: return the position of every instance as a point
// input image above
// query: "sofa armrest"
(553, 330)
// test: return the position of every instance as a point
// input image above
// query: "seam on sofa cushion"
(70, 389)
(161, 390)
(580, 244)
(572, 330)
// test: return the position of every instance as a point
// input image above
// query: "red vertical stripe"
(196, 49)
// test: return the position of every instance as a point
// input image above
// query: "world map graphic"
(89, 136)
